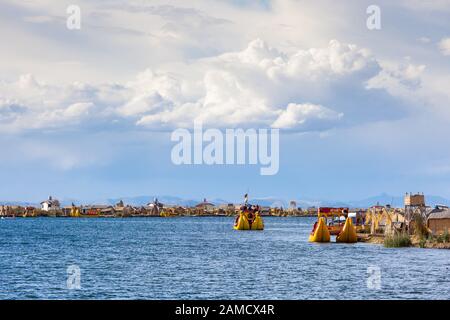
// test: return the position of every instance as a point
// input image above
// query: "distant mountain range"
(382, 199)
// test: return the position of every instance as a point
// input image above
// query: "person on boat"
(251, 215)
(236, 221)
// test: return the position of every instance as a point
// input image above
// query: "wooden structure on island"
(414, 207)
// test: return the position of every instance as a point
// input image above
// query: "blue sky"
(88, 113)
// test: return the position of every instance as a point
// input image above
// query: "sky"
(88, 113)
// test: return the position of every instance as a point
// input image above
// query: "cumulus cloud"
(259, 86)
(254, 86)
(400, 80)
(29, 104)
(314, 64)
(306, 116)
(421, 89)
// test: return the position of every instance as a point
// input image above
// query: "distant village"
(51, 207)
(437, 218)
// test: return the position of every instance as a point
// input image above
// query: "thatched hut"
(439, 220)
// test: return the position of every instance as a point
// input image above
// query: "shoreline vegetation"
(405, 241)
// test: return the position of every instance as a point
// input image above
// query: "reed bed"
(397, 240)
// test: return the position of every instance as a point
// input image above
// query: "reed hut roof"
(204, 204)
(440, 214)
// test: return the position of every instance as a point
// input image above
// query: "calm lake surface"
(204, 258)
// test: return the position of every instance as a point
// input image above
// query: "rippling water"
(204, 258)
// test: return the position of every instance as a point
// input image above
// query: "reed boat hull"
(321, 233)
(348, 234)
(243, 223)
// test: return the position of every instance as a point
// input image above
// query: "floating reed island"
(415, 224)
(52, 208)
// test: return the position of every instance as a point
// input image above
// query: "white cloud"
(29, 104)
(249, 87)
(398, 79)
(444, 46)
(306, 116)
(258, 86)
(335, 59)
(422, 90)
(77, 111)
(151, 34)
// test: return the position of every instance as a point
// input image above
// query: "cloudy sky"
(88, 113)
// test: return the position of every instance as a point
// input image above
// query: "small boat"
(249, 220)
(249, 217)
(331, 222)
(334, 218)
(320, 232)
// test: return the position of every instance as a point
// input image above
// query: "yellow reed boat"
(75, 212)
(320, 232)
(249, 220)
(167, 213)
(348, 233)
(330, 222)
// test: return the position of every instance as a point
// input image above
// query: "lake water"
(204, 258)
